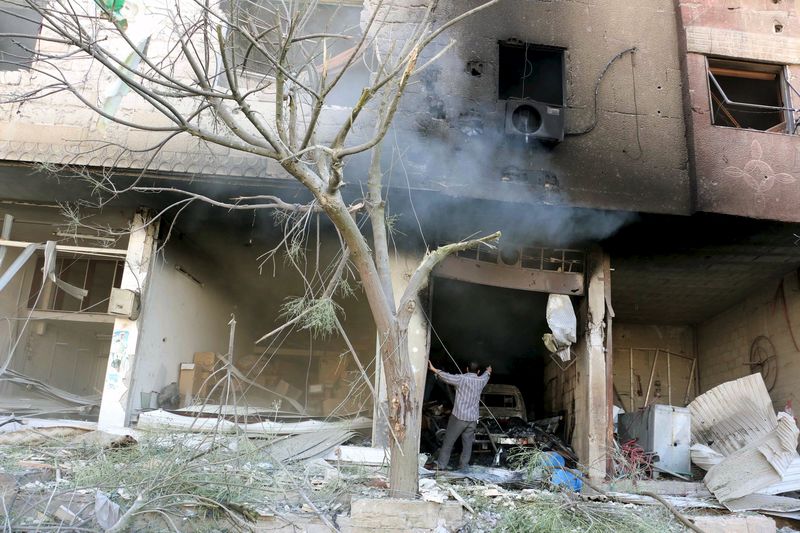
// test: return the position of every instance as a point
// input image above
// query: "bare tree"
(205, 67)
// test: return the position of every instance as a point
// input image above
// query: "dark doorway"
(491, 326)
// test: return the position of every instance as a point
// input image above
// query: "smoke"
(442, 219)
(453, 171)
(471, 177)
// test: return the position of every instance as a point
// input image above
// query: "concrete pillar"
(116, 404)
(402, 266)
(591, 407)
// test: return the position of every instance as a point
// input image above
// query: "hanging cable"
(597, 90)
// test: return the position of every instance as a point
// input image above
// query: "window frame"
(527, 45)
(27, 64)
(791, 121)
(55, 300)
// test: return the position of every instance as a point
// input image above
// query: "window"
(499, 400)
(97, 276)
(17, 18)
(531, 72)
(325, 17)
(749, 95)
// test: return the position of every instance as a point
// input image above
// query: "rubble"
(317, 480)
(746, 448)
(176, 421)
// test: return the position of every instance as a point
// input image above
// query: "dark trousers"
(456, 428)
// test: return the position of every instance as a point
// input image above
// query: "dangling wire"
(631, 50)
(527, 70)
(430, 323)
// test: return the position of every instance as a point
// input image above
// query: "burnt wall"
(626, 152)
(741, 171)
(762, 327)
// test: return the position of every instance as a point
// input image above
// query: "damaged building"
(643, 174)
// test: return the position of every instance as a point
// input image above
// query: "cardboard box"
(192, 383)
(205, 360)
(186, 383)
(331, 369)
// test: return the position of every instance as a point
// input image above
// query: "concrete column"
(402, 267)
(116, 404)
(591, 407)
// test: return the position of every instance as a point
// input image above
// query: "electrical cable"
(597, 91)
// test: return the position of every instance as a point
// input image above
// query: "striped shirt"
(468, 393)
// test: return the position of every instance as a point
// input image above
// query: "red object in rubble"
(636, 461)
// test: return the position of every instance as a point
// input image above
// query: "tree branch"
(419, 280)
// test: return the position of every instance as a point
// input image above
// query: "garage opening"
(700, 302)
(494, 326)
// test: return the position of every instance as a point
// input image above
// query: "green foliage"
(560, 514)
(345, 288)
(531, 461)
(317, 315)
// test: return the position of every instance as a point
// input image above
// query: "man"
(464, 417)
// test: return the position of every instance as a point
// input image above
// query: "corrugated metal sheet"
(732, 415)
(790, 480)
(736, 420)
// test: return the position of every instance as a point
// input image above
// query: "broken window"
(531, 72)
(749, 95)
(97, 276)
(17, 21)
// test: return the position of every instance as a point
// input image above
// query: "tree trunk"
(404, 420)
(404, 466)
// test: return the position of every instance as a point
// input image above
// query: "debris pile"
(166, 480)
(88, 479)
(749, 451)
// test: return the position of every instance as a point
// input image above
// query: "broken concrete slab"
(735, 524)
(733, 414)
(764, 502)
(790, 480)
(757, 465)
(390, 514)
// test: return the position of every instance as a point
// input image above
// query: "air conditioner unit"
(538, 120)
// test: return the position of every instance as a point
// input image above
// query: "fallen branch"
(319, 513)
(461, 500)
(422, 274)
(671, 508)
(680, 516)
